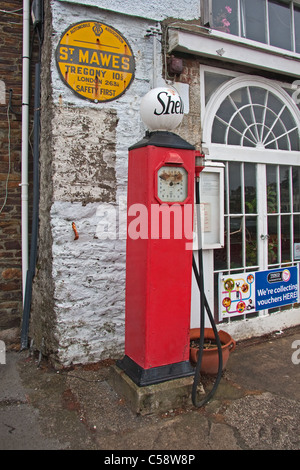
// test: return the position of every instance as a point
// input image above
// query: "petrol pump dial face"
(172, 184)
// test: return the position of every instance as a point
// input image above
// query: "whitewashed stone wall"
(79, 290)
(152, 9)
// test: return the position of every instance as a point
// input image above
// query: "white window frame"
(206, 20)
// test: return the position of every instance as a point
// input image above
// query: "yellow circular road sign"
(95, 61)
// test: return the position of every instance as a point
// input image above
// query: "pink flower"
(228, 9)
(225, 22)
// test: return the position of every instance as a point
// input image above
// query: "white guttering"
(25, 134)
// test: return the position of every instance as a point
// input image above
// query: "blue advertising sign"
(244, 293)
(275, 288)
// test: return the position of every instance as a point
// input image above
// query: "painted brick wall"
(10, 216)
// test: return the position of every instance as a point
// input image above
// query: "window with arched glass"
(252, 125)
(253, 116)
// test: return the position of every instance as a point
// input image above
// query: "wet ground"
(256, 407)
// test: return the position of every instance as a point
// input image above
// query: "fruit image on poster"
(237, 295)
(95, 61)
(245, 293)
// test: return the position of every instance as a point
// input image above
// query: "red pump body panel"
(158, 267)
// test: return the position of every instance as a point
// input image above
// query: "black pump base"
(155, 375)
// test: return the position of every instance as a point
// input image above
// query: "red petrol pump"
(160, 204)
(158, 269)
(159, 252)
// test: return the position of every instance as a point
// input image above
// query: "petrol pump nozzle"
(199, 163)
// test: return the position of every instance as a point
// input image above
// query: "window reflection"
(296, 228)
(225, 16)
(253, 20)
(236, 246)
(285, 239)
(251, 241)
(280, 25)
(296, 189)
(252, 116)
(273, 240)
(265, 21)
(297, 28)
(250, 188)
(284, 189)
(235, 188)
(272, 191)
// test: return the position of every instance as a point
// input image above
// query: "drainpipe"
(30, 264)
(25, 135)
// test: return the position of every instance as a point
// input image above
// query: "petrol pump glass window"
(225, 16)
(253, 20)
(280, 25)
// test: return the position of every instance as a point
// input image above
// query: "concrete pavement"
(257, 406)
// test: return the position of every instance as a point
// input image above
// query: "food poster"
(237, 294)
(245, 293)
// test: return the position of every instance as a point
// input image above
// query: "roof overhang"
(228, 48)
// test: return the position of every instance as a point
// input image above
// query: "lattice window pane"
(280, 25)
(254, 117)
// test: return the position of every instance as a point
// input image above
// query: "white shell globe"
(162, 109)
